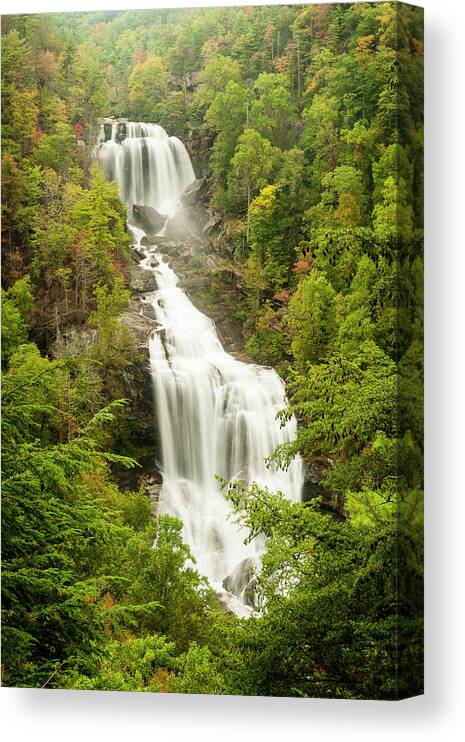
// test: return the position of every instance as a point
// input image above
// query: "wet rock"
(199, 216)
(140, 325)
(137, 254)
(146, 475)
(242, 582)
(120, 132)
(199, 146)
(107, 126)
(194, 192)
(167, 246)
(148, 219)
(148, 311)
(211, 283)
(148, 240)
(314, 472)
(174, 249)
(151, 484)
(212, 223)
(194, 283)
(142, 281)
(178, 225)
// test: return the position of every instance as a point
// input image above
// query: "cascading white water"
(216, 415)
(152, 169)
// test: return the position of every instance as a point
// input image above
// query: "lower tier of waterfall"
(216, 417)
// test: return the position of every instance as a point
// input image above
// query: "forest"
(306, 121)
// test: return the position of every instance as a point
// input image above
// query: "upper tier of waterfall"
(152, 169)
(217, 416)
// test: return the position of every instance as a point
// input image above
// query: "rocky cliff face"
(140, 413)
(199, 147)
(212, 282)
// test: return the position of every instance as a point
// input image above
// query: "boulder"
(194, 283)
(174, 249)
(107, 126)
(137, 254)
(148, 240)
(148, 311)
(140, 325)
(198, 216)
(151, 485)
(142, 281)
(193, 192)
(242, 582)
(73, 340)
(120, 129)
(147, 476)
(148, 219)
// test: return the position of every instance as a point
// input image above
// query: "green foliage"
(392, 217)
(148, 84)
(20, 195)
(370, 307)
(16, 307)
(274, 109)
(217, 73)
(89, 92)
(85, 563)
(100, 214)
(198, 672)
(270, 225)
(353, 594)
(227, 116)
(343, 402)
(45, 614)
(113, 348)
(267, 345)
(134, 665)
(251, 168)
(320, 135)
(56, 150)
(312, 314)
(79, 240)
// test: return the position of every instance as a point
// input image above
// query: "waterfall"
(152, 169)
(216, 414)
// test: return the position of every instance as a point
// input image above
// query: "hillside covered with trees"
(307, 122)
